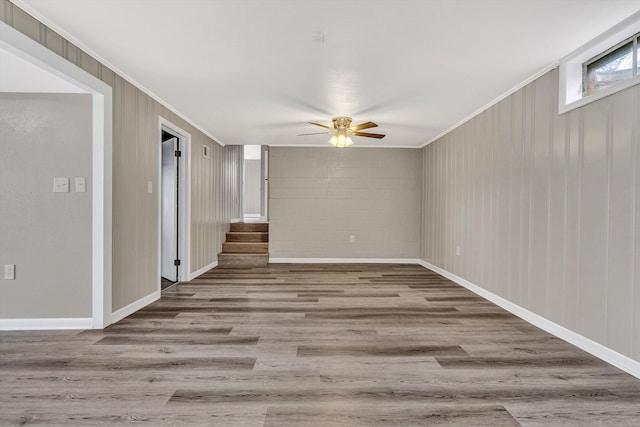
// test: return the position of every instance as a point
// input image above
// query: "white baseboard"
(598, 350)
(235, 220)
(45, 324)
(203, 270)
(134, 306)
(344, 261)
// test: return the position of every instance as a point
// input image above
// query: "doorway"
(251, 183)
(173, 201)
(255, 187)
(170, 209)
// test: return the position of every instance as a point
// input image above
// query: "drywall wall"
(252, 187)
(135, 162)
(319, 197)
(544, 208)
(46, 235)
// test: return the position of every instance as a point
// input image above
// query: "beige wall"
(544, 208)
(46, 235)
(215, 200)
(135, 161)
(320, 196)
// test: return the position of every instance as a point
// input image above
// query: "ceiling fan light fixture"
(343, 131)
(341, 139)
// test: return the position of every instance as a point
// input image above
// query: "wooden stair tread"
(246, 245)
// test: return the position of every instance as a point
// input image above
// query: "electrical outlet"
(352, 239)
(457, 250)
(149, 187)
(9, 271)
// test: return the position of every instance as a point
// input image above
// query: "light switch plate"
(81, 184)
(9, 271)
(149, 187)
(60, 185)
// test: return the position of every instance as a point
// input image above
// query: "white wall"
(252, 187)
(19, 75)
(319, 197)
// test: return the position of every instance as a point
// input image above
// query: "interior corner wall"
(319, 197)
(135, 162)
(544, 208)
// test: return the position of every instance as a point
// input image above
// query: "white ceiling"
(250, 72)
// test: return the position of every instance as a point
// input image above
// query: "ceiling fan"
(342, 131)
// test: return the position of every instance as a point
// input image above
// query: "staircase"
(247, 245)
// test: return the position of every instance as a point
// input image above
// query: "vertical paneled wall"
(215, 199)
(233, 181)
(544, 208)
(135, 162)
(319, 197)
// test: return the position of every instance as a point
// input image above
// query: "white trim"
(101, 234)
(490, 104)
(344, 260)
(203, 270)
(355, 145)
(45, 324)
(134, 306)
(184, 222)
(570, 82)
(235, 220)
(31, 11)
(618, 360)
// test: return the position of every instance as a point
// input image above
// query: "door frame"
(184, 199)
(101, 175)
(264, 183)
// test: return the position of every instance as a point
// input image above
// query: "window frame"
(571, 67)
(634, 62)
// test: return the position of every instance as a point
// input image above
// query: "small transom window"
(611, 67)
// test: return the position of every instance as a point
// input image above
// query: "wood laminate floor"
(311, 345)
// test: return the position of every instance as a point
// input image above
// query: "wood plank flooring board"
(431, 393)
(375, 416)
(379, 350)
(311, 345)
(176, 340)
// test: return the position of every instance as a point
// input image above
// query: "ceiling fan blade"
(369, 135)
(361, 126)
(321, 125)
(315, 133)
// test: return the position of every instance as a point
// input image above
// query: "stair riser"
(242, 260)
(242, 226)
(245, 248)
(248, 237)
